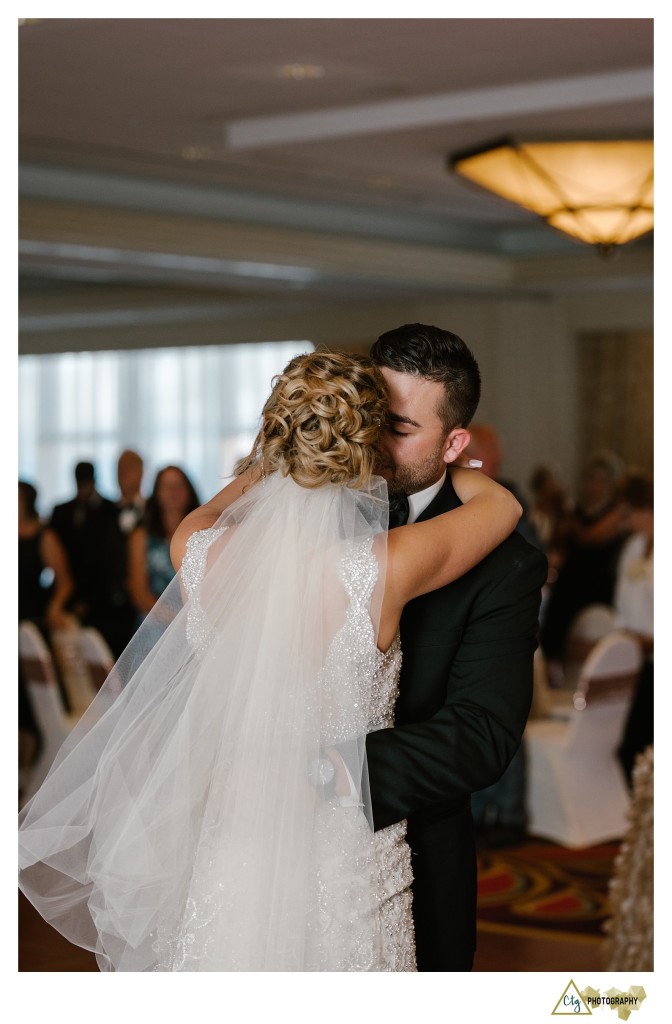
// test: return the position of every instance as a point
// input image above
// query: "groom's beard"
(415, 476)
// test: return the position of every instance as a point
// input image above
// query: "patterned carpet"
(538, 888)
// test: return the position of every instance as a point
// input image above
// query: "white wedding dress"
(339, 938)
(182, 826)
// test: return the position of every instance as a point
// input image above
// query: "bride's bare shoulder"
(207, 515)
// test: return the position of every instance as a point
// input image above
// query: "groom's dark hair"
(438, 355)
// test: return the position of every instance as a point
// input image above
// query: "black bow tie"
(398, 509)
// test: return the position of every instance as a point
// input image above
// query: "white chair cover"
(97, 656)
(41, 685)
(590, 625)
(69, 655)
(577, 793)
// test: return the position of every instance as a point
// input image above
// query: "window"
(198, 408)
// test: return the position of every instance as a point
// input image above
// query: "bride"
(210, 810)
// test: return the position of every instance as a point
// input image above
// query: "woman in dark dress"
(45, 586)
(43, 602)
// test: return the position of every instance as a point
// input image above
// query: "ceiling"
(172, 172)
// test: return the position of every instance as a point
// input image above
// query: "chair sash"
(36, 670)
(618, 686)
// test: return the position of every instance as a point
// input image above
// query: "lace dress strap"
(199, 631)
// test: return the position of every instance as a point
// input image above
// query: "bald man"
(131, 504)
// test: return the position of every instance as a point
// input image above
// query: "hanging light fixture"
(599, 192)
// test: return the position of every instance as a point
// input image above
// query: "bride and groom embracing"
(276, 776)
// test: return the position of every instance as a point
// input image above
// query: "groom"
(466, 677)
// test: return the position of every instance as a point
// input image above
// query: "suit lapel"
(444, 501)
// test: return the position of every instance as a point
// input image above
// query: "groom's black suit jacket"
(465, 694)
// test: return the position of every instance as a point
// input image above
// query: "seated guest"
(45, 585)
(150, 569)
(634, 604)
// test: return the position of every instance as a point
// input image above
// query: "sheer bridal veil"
(189, 822)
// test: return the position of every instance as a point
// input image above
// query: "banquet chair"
(548, 702)
(97, 656)
(77, 678)
(577, 793)
(41, 685)
(590, 625)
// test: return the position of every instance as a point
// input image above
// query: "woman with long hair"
(149, 567)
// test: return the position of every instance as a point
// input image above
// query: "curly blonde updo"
(322, 422)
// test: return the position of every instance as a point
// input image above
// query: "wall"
(528, 352)
(526, 347)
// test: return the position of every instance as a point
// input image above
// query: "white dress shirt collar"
(417, 503)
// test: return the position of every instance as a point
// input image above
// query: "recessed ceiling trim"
(69, 184)
(76, 234)
(443, 108)
(95, 319)
(165, 261)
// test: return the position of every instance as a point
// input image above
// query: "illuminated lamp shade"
(598, 192)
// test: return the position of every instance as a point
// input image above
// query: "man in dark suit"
(89, 531)
(466, 677)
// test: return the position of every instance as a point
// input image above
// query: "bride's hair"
(322, 421)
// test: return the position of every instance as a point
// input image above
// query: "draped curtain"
(616, 395)
(197, 407)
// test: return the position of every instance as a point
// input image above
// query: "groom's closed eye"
(398, 425)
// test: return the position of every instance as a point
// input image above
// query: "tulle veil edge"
(189, 822)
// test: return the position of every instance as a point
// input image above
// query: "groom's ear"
(457, 440)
